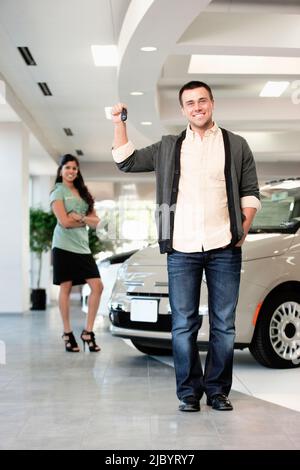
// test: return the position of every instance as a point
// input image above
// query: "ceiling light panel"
(2, 92)
(252, 65)
(273, 89)
(107, 111)
(105, 56)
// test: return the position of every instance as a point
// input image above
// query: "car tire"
(276, 339)
(151, 350)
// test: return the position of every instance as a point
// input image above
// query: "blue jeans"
(222, 270)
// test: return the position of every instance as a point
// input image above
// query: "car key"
(124, 114)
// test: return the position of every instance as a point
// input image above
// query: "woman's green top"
(70, 239)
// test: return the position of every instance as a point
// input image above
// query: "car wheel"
(151, 350)
(276, 339)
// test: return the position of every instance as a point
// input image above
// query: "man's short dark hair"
(191, 86)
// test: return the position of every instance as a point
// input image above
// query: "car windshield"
(280, 208)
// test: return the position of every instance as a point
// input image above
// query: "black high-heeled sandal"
(88, 337)
(70, 342)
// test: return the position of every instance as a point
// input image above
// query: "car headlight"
(104, 264)
(122, 272)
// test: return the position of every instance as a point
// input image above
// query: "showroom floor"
(122, 399)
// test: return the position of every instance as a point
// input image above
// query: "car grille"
(122, 319)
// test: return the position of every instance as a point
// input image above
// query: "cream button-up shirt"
(201, 218)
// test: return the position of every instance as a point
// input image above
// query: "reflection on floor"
(281, 387)
(119, 398)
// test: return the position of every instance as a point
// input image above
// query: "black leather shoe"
(189, 404)
(219, 402)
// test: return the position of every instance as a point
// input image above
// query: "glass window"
(280, 208)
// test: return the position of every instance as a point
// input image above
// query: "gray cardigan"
(163, 157)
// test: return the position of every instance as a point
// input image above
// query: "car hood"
(149, 256)
(265, 245)
(256, 246)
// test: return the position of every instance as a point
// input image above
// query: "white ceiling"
(59, 34)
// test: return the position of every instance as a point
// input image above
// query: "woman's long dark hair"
(78, 182)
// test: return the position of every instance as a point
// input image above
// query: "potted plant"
(42, 225)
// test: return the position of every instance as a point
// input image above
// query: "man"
(207, 194)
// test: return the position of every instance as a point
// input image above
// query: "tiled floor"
(116, 399)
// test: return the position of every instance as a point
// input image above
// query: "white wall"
(14, 233)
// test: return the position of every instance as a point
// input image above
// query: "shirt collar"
(190, 134)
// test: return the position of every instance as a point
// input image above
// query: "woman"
(73, 263)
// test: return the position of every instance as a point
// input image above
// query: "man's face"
(197, 107)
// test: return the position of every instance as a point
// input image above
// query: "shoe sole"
(188, 409)
(219, 409)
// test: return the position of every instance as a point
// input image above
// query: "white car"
(268, 311)
(108, 269)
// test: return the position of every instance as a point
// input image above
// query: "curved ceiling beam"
(150, 23)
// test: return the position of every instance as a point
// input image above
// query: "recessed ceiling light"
(136, 93)
(107, 110)
(105, 56)
(148, 49)
(146, 123)
(274, 89)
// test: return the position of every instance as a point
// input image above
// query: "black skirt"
(75, 267)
